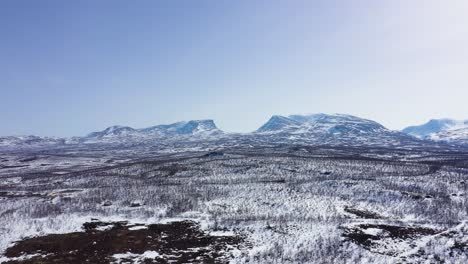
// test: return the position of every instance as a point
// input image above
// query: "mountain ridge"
(313, 129)
(332, 129)
(205, 127)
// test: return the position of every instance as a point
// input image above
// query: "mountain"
(197, 129)
(431, 127)
(279, 123)
(113, 131)
(184, 128)
(448, 130)
(316, 129)
(29, 141)
(320, 123)
(335, 129)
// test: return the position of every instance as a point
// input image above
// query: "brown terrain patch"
(357, 234)
(362, 213)
(177, 242)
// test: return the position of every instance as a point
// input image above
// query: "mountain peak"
(198, 126)
(430, 127)
(277, 122)
(444, 129)
(112, 131)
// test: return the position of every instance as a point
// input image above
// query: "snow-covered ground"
(290, 204)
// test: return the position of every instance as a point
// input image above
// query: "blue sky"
(72, 67)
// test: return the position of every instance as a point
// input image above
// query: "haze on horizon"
(72, 67)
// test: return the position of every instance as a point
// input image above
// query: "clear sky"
(71, 67)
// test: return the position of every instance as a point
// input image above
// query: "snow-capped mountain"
(316, 129)
(195, 128)
(448, 130)
(335, 124)
(184, 128)
(113, 131)
(279, 123)
(332, 129)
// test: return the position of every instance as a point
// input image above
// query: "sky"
(71, 67)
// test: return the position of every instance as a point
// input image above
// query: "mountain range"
(323, 129)
(195, 129)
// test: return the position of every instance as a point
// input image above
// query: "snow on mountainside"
(333, 129)
(277, 123)
(29, 141)
(184, 128)
(316, 129)
(113, 131)
(336, 124)
(193, 128)
(448, 130)
(459, 135)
